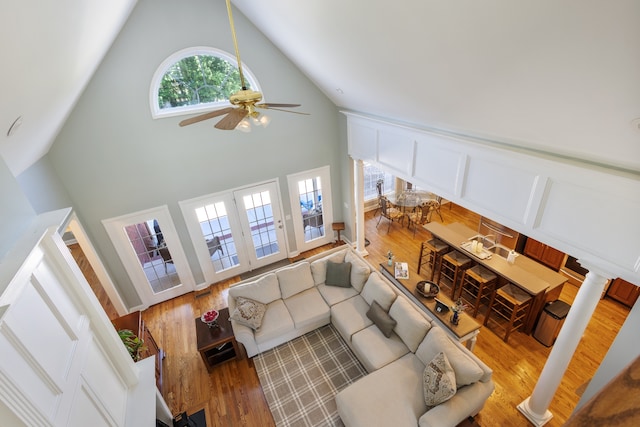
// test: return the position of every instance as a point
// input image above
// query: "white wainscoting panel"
(593, 220)
(395, 150)
(61, 361)
(439, 164)
(499, 187)
(362, 141)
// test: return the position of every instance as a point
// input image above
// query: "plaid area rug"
(301, 378)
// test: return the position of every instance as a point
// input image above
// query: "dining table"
(410, 199)
(539, 281)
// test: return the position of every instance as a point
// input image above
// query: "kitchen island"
(542, 283)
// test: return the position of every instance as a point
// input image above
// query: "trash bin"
(551, 321)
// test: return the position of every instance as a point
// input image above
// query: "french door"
(236, 231)
(311, 207)
(149, 248)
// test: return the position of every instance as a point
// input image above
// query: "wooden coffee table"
(216, 344)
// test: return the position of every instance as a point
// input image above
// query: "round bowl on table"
(210, 317)
(427, 289)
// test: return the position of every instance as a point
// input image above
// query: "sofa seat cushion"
(295, 279)
(350, 316)
(391, 396)
(334, 294)
(376, 288)
(308, 308)
(466, 369)
(276, 322)
(374, 350)
(265, 289)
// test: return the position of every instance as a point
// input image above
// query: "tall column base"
(535, 419)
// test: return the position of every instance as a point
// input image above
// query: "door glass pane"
(260, 216)
(216, 231)
(310, 194)
(153, 255)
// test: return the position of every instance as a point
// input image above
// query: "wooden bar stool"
(452, 267)
(479, 283)
(431, 253)
(512, 304)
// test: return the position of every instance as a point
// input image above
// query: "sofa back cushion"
(264, 289)
(319, 266)
(466, 369)
(411, 326)
(360, 270)
(377, 289)
(294, 280)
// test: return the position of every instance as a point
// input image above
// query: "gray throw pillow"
(381, 319)
(338, 274)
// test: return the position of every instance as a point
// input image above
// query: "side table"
(216, 344)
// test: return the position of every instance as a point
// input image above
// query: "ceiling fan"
(245, 101)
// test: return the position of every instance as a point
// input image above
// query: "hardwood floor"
(232, 395)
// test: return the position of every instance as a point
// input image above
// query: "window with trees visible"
(371, 175)
(196, 79)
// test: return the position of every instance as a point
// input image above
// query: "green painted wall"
(16, 213)
(43, 188)
(114, 159)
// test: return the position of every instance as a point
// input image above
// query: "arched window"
(196, 79)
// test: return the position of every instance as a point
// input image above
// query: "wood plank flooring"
(232, 395)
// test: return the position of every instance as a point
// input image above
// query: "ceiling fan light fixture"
(261, 120)
(244, 126)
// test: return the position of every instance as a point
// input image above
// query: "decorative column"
(358, 195)
(536, 406)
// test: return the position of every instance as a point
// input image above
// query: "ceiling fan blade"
(264, 107)
(205, 116)
(231, 120)
(269, 105)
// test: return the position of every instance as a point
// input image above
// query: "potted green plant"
(133, 343)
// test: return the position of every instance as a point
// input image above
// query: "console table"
(467, 329)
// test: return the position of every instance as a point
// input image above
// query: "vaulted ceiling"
(560, 77)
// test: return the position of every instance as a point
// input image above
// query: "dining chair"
(419, 216)
(389, 212)
(380, 190)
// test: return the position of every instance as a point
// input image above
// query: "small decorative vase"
(455, 318)
(389, 262)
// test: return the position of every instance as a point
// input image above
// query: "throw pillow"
(381, 319)
(338, 274)
(438, 381)
(249, 312)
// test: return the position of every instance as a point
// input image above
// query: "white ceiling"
(562, 77)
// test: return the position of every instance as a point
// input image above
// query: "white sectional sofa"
(411, 361)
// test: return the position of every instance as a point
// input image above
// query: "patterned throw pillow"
(249, 312)
(438, 381)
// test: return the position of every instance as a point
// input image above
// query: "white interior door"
(148, 245)
(260, 213)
